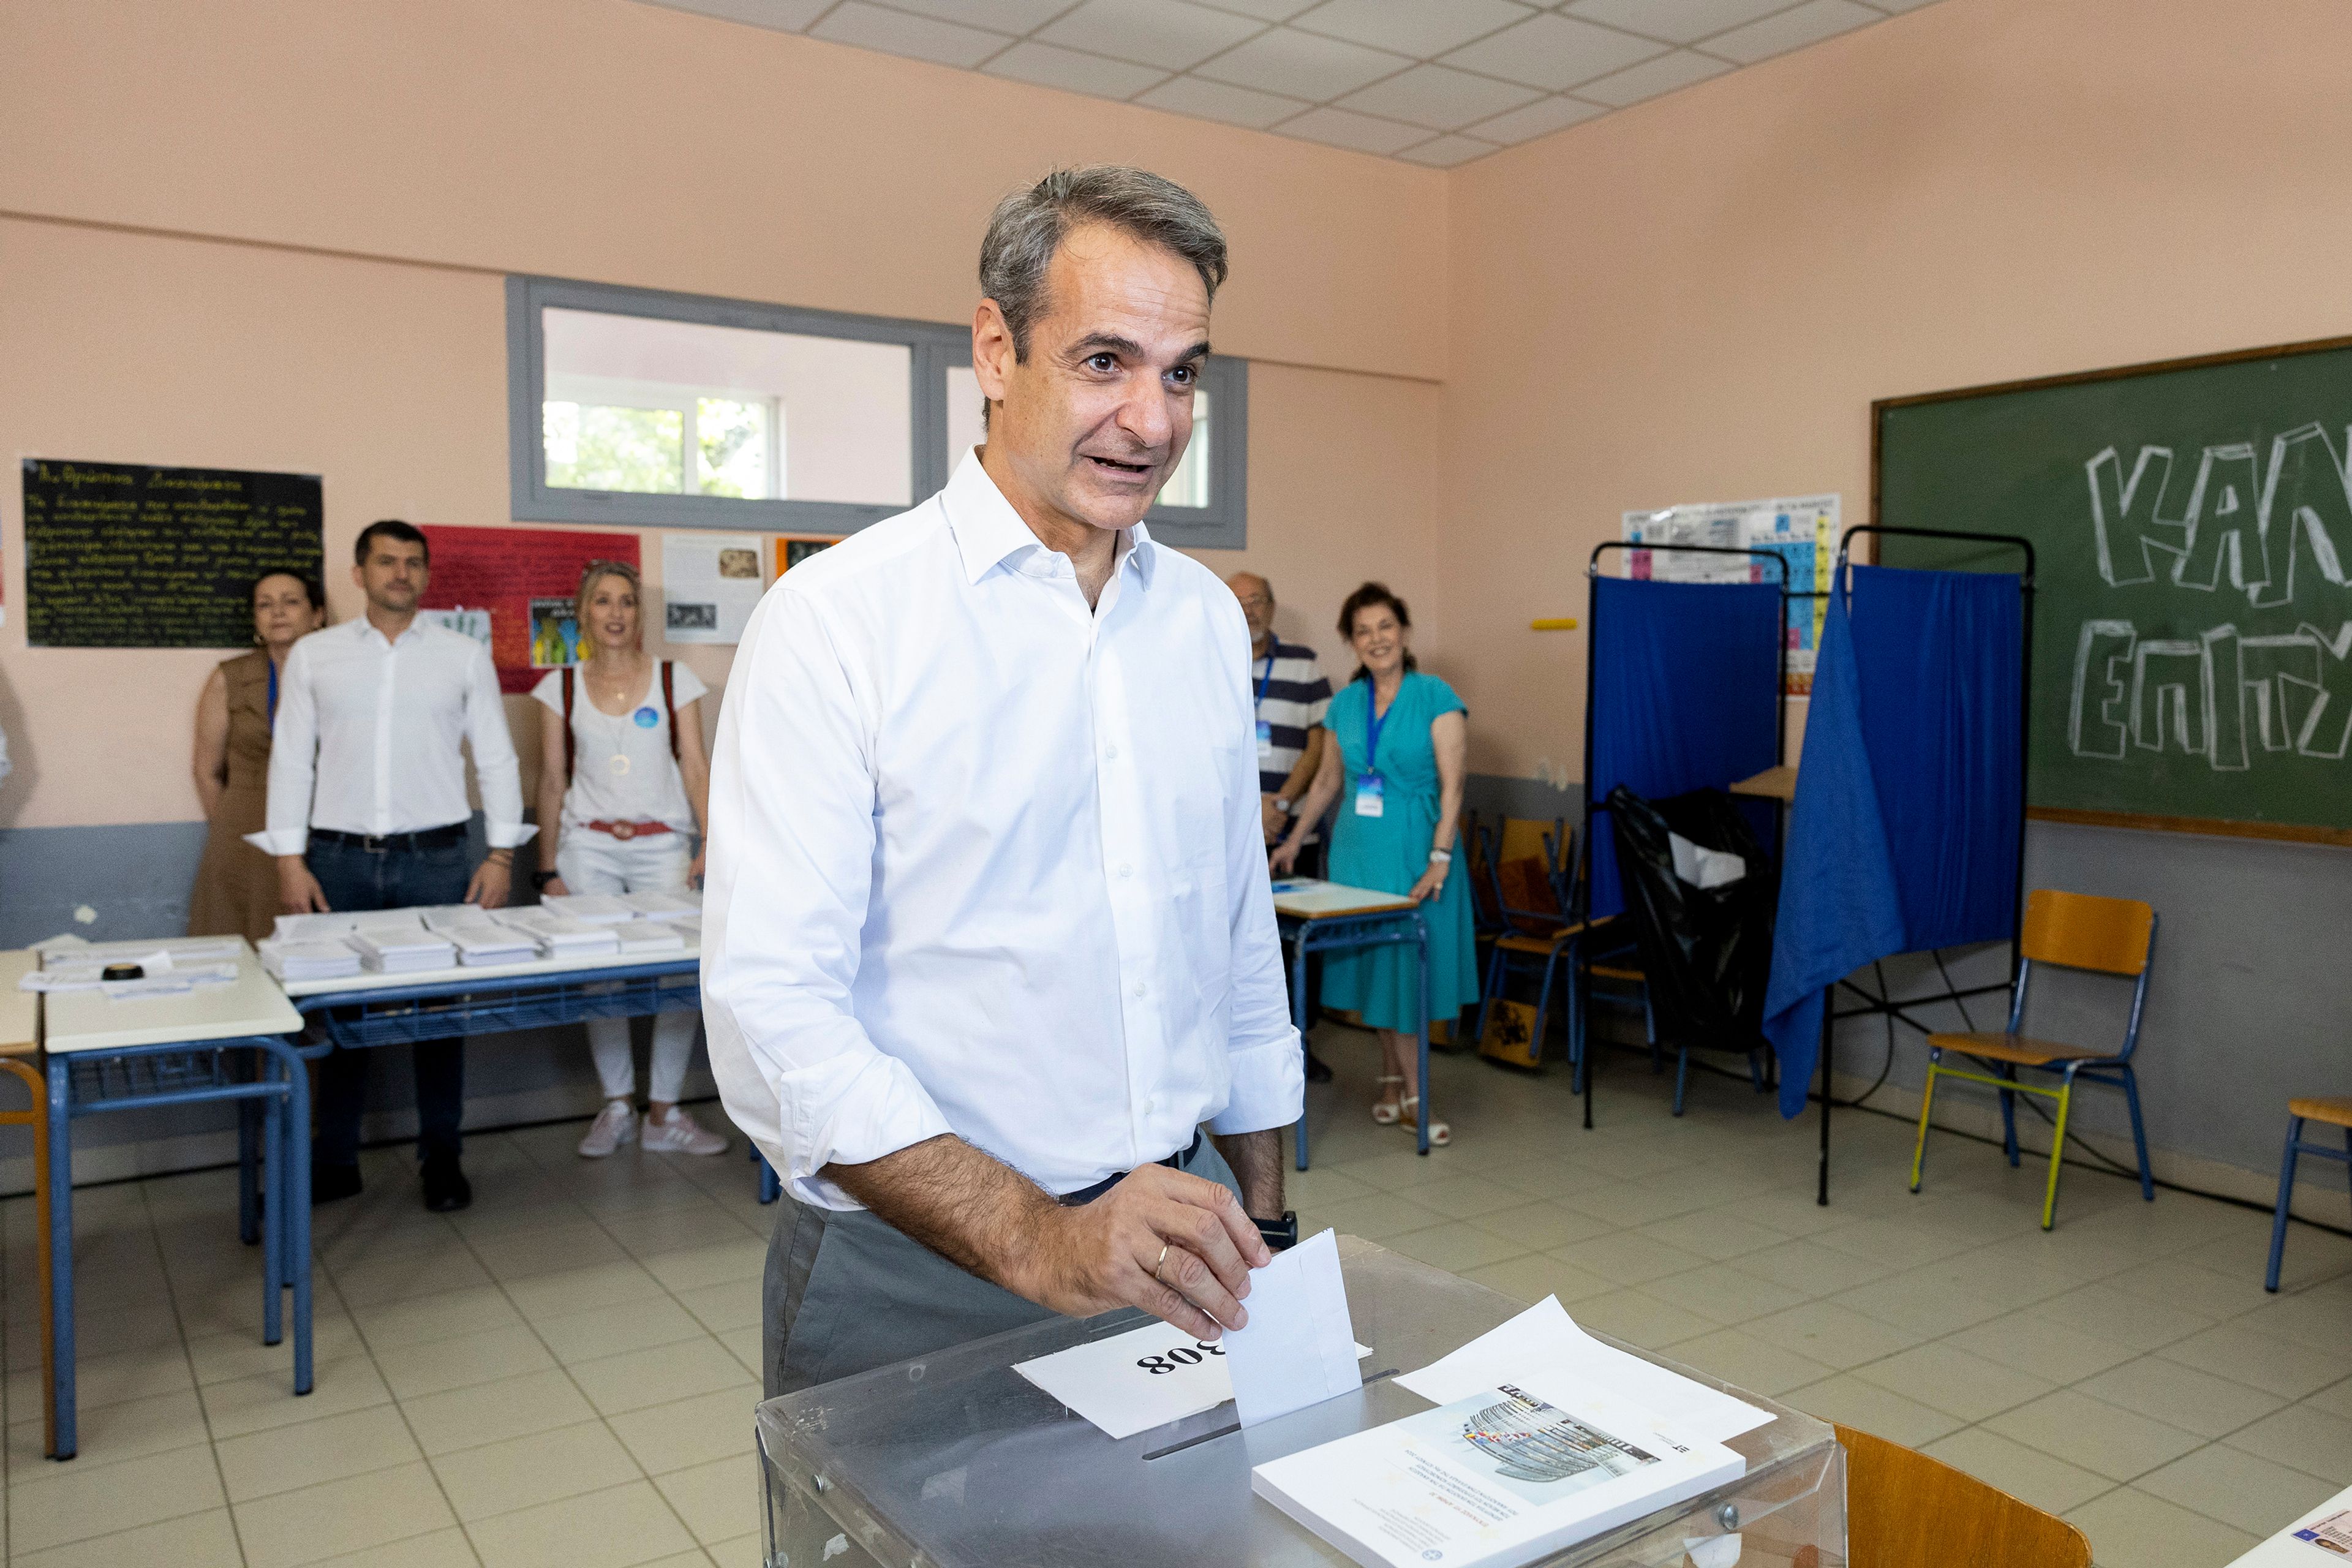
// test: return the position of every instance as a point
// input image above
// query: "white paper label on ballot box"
(1149, 1377)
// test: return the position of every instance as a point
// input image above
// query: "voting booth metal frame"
(1579, 912)
(1345, 933)
(955, 1460)
(263, 1075)
(1883, 1005)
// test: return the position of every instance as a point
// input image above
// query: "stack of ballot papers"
(479, 938)
(394, 942)
(653, 906)
(688, 926)
(289, 960)
(167, 968)
(559, 936)
(594, 908)
(1542, 1437)
(650, 937)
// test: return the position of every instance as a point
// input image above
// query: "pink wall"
(1697, 299)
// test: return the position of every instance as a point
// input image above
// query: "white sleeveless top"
(623, 770)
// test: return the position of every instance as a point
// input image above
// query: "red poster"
(513, 588)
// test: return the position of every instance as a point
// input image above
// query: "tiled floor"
(564, 1374)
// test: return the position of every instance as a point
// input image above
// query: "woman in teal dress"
(1397, 772)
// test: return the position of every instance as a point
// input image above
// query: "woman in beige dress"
(236, 885)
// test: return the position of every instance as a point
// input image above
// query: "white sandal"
(1384, 1114)
(1440, 1134)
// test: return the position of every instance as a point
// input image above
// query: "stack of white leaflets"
(479, 938)
(657, 906)
(592, 909)
(650, 937)
(289, 960)
(331, 927)
(396, 942)
(559, 936)
(1542, 1438)
(689, 926)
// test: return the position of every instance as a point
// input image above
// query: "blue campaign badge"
(646, 717)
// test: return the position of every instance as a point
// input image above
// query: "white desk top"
(20, 1011)
(1313, 901)
(252, 1005)
(2283, 1551)
(369, 980)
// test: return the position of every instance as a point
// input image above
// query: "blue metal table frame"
(1344, 932)
(462, 1003)
(263, 1070)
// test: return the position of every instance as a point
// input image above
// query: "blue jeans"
(356, 879)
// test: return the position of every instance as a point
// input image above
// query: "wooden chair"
(1904, 1509)
(19, 1048)
(2336, 1112)
(2072, 931)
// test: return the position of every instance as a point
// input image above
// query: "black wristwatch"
(1279, 1234)
(540, 879)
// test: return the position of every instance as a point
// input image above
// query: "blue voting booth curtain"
(1685, 695)
(1904, 830)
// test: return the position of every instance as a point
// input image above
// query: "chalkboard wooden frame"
(2305, 832)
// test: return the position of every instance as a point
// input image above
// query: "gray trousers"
(845, 1293)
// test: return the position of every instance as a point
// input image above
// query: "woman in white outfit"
(623, 780)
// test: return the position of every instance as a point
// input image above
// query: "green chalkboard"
(132, 555)
(2192, 626)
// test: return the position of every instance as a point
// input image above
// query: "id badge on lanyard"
(1370, 788)
(1369, 801)
(1264, 730)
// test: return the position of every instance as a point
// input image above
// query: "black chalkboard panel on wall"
(132, 555)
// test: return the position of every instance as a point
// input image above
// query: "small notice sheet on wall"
(513, 588)
(1801, 530)
(133, 556)
(711, 582)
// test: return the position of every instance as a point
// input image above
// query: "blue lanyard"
(273, 693)
(1265, 680)
(1373, 720)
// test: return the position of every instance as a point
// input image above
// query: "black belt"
(424, 839)
(1084, 1195)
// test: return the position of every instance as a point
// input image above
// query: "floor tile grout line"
(204, 1412)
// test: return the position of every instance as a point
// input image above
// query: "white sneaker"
(614, 1125)
(681, 1134)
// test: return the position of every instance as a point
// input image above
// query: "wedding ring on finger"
(1158, 1260)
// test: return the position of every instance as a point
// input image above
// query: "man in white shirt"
(368, 811)
(988, 935)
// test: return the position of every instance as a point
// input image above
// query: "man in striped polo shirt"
(1291, 695)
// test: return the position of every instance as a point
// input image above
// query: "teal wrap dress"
(1390, 852)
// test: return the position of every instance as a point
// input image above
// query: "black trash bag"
(1707, 951)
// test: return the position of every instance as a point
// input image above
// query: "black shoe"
(445, 1187)
(1317, 1069)
(330, 1182)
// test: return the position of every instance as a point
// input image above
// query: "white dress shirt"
(367, 734)
(986, 862)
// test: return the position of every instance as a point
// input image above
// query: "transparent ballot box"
(955, 1460)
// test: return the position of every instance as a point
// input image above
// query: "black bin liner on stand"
(1707, 951)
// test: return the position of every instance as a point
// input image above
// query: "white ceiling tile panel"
(1216, 100)
(918, 37)
(1554, 52)
(996, 16)
(1541, 119)
(1300, 64)
(1418, 27)
(1047, 66)
(1170, 34)
(1676, 21)
(1652, 78)
(1447, 150)
(1793, 29)
(1440, 98)
(1360, 132)
(785, 15)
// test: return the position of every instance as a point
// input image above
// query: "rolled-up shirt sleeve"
(791, 870)
(1267, 1065)
(496, 769)
(293, 760)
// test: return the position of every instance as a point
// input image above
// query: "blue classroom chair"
(2336, 1112)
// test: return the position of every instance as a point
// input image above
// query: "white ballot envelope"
(1144, 1378)
(1298, 1347)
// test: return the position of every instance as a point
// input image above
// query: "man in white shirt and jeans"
(987, 936)
(368, 811)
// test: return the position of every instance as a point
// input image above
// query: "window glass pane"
(965, 431)
(598, 446)
(767, 416)
(1188, 485)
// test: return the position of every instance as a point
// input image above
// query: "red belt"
(625, 831)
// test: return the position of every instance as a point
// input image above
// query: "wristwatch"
(1279, 1234)
(1282, 805)
(540, 879)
